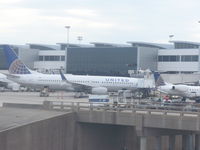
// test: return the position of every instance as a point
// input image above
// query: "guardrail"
(123, 108)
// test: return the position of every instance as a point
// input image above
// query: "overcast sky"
(111, 21)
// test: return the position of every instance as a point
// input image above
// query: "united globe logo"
(17, 67)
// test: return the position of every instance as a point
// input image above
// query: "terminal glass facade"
(185, 46)
(169, 58)
(3, 60)
(40, 47)
(51, 58)
(174, 58)
(102, 61)
(189, 58)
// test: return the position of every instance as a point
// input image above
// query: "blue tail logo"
(158, 79)
(16, 66)
(62, 75)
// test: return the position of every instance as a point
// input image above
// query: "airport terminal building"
(94, 59)
(109, 59)
(99, 58)
(183, 58)
(24, 52)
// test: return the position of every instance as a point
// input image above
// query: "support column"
(143, 143)
(190, 142)
(187, 142)
(172, 139)
(197, 142)
(158, 143)
(184, 142)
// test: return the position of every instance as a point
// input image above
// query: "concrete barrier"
(55, 133)
(19, 105)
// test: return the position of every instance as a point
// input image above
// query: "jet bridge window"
(52, 58)
(189, 58)
(41, 58)
(47, 58)
(168, 58)
(62, 58)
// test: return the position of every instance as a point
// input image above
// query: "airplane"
(21, 74)
(103, 84)
(184, 91)
(4, 82)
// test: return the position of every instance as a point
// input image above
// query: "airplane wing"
(78, 87)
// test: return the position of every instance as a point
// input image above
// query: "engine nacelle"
(99, 90)
(181, 88)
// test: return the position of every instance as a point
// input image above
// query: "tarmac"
(34, 98)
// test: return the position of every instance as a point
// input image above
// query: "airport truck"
(99, 98)
(44, 92)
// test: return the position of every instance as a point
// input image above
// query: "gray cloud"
(108, 21)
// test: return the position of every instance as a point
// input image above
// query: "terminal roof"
(101, 44)
(151, 45)
(186, 42)
(71, 45)
(42, 46)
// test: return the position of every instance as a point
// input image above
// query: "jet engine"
(99, 90)
(181, 88)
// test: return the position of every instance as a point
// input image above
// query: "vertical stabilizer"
(62, 76)
(158, 79)
(15, 65)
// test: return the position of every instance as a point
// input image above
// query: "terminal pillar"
(158, 143)
(197, 142)
(190, 142)
(172, 142)
(143, 143)
(187, 142)
(184, 142)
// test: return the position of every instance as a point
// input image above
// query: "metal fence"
(158, 109)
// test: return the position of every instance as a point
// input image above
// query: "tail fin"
(62, 76)
(158, 79)
(15, 65)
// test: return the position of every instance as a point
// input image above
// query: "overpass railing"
(190, 111)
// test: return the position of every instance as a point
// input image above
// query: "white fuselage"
(55, 82)
(180, 90)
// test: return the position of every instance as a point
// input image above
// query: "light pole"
(79, 38)
(67, 27)
(170, 37)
